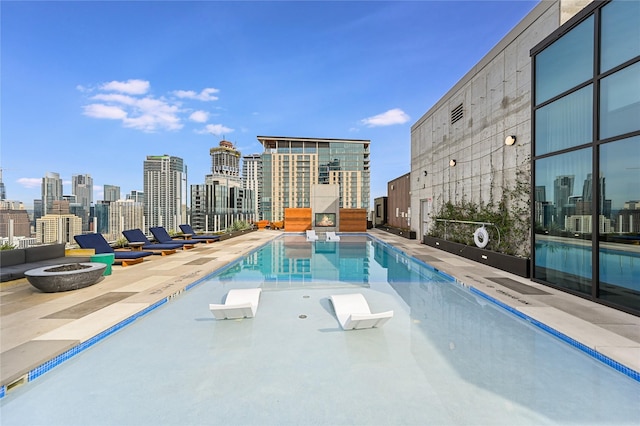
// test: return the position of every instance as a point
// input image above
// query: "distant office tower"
(125, 214)
(562, 190)
(165, 191)
(82, 188)
(225, 162)
(51, 191)
(3, 191)
(252, 178)
(59, 228)
(290, 166)
(222, 200)
(15, 223)
(37, 211)
(111, 193)
(136, 196)
(101, 215)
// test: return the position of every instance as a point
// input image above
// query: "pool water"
(448, 356)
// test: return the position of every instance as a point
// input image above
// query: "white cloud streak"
(30, 182)
(132, 87)
(131, 103)
(199, 116)
(388, 118)
(215, 129)
(205, 95)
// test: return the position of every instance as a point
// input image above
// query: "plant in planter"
(121, 242)
(510, 231)
(7, 246)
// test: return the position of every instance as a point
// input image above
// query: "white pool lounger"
(240, 303)
(353, 312)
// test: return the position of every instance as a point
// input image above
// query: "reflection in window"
(620, 217)
(565, 123)
(566, 63)
(620, 33)
(619, 104)
(563, 191)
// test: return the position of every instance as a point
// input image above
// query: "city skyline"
(94, 87)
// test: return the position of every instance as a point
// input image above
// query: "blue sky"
(95, 87)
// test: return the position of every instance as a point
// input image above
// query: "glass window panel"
(619, 231)
(563, 221)
(619, 102)
(620, 33)
(566, 63)
(565, 123)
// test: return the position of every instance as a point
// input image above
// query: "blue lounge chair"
(136, 236)
(187, 229)
(162, 236)
(100, 245)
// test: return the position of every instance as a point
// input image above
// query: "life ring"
(481, 237)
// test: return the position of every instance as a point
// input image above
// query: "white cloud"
(30, 182)
(132, 87)
(199, 116)
(215, 129)
(104, 111)
(205, 95)
(389, 118)
(130, 102)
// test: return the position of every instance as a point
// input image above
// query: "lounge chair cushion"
(162, 236)
(137, 236)
(187, 229)
(100, 245)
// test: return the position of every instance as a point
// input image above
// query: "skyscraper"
(252, 178)
(51, 191)
(111, 193)
(165, 191)
(82, 188)
(290, 166)
(221, 200)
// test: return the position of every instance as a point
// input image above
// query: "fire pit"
(65, 277)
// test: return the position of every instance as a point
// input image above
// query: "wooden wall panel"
(297, 220)
(353, 220)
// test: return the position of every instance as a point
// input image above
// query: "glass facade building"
(586, 155)
(290, 166)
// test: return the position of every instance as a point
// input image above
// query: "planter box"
(513, 264)
(401, 232)
(235, 234)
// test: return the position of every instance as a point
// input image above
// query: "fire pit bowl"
(65, 277)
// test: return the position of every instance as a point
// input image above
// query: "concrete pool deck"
(36, 327)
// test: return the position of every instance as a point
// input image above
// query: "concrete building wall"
(471, 122)
(325, 199)
(399, 202)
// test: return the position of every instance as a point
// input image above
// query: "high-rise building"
(3, 190)
(252, 178)
(111, 193)
(125, 214)
(136, 196)
(222, 200)
(225, 162)
(51, 191)
(82, 188)
(290, 166)
(165, 191)
(59, 228)
(15, 223)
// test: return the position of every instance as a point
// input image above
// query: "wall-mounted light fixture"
(425, 172)
(510, 140)
(452, 163)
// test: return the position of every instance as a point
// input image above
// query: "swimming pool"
(448, 356)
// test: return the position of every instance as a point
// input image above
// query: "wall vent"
(456, 114)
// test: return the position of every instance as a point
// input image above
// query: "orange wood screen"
(353, 220)
(297, 220)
